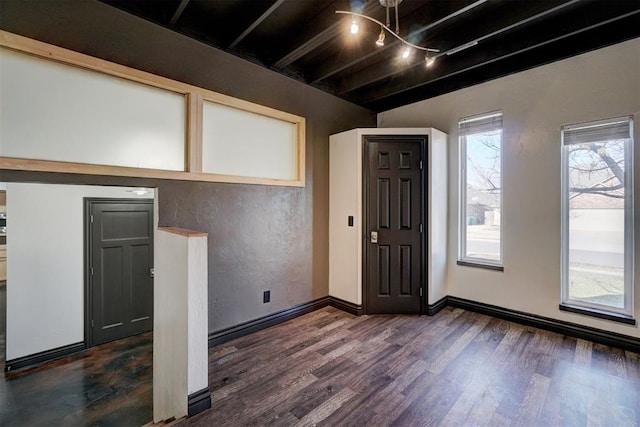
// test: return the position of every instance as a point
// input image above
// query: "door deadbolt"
(374, 237)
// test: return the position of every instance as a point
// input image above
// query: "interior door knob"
(374, 237)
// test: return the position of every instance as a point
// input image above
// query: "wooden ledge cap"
(183, 232)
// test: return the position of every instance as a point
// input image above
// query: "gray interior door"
(120, 268)
(394, 212)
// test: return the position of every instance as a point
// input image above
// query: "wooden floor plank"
(533, 401)
(326, 408)
(454, 369)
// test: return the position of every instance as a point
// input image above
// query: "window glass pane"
(481, 210)
(242, 143)
(596, 222)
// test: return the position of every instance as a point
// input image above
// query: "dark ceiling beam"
(377, 98)
(318, 40)
(257, 22)
(331, 70)
(368, 78)
(512, 26)
(446, 18)
(307, 47)
(178, 13)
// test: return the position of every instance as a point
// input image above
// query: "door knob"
(374, 237)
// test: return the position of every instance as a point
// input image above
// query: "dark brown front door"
(120, 263)
(394, 213)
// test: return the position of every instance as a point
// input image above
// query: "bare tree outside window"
(481, 189)
(596, 222)
(597, 207)
(484, 189)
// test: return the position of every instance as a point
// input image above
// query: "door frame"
(424, 140)
(88, 289)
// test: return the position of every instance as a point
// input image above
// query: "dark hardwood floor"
(108, 385)
(456, 368)
(328, 367)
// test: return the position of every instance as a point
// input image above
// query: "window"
(597, 218)
(481, 190)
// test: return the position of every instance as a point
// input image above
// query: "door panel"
(384, 204)
(120, 259)
(394, 263)
(405, 270)
(109, 302)
(124, 225)
(405, 204)
(384, 264)
(141, 304)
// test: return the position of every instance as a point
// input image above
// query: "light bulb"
(354, 27)
(429, 60)
(406, 52)
(380, 41)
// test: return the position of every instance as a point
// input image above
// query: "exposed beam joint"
(257, 22)
(178, 13)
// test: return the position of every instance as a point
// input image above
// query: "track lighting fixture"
(408, 46)
(380, 41)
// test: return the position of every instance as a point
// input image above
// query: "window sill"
(614, 317)
(480, 265)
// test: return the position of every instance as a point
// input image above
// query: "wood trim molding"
(194, 132)
(559, 326)
(193, 139)
(43, 356)
(346, 306)
(183, 232)
(198, 401)
(433, 309)
(84, 168)
(301, 147)
(233, 332)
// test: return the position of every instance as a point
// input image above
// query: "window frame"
(193, 109)
(463, 259)
(625, 314)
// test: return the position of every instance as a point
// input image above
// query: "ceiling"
(308, 41)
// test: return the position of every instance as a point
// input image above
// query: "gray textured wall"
(260, 237)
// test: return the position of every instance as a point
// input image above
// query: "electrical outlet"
(266, 296)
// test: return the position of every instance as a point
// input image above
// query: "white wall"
(45, 264)
(437, 217)
(170, 357)
(536, 103)
(180, 351)
(345, 199)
